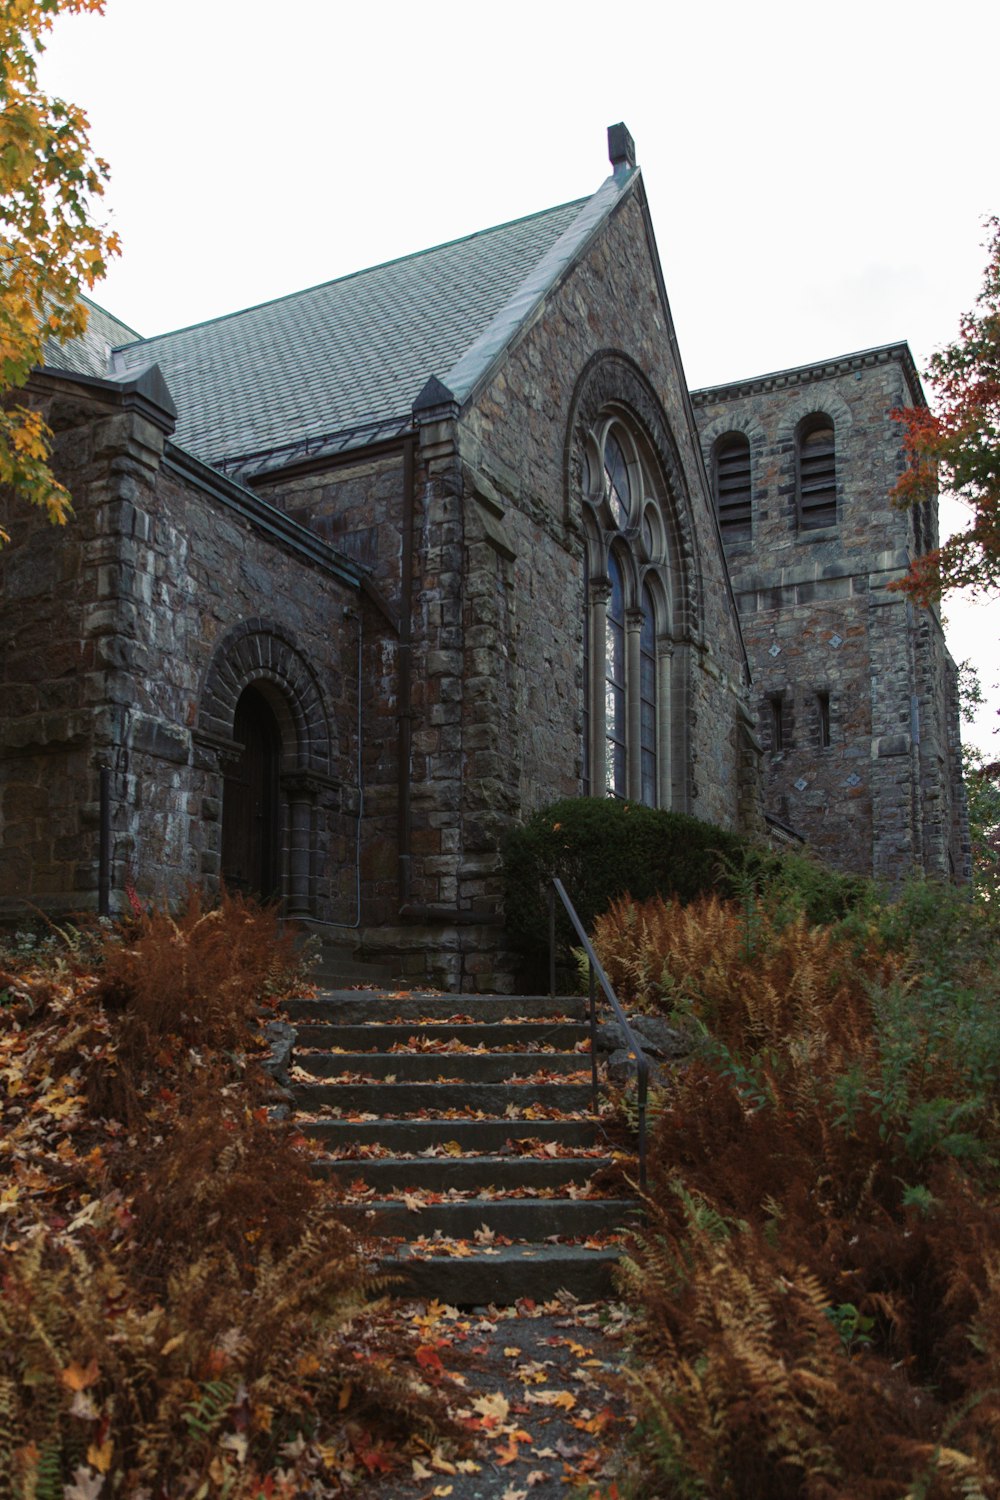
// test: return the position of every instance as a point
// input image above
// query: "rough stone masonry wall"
(122, 612)
(357, 505)
(213, 575)
(442, 927)
(524, 601)
(818, 618)
(54, 660)
(497, 613)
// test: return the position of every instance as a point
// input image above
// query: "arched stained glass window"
(633, 668)
(616, 480)
(647, 701)
(615, 711)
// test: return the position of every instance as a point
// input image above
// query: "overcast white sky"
(818, 174)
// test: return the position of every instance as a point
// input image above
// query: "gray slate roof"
(357, 350)
(90, 354)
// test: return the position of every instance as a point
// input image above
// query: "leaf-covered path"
(537, 1389)
(184, 1311)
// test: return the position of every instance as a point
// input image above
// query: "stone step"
(399, 1099)
(333, 971)
(336, 961)
(508, 1274)
(413, 1067)
(475, 1136)
(531, 1219)
(352, 1031)
(442, 1173)
(376, 1037)
(358, 1007)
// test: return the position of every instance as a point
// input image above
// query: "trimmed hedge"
(601, 848)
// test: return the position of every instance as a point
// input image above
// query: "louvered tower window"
(817, 475)
(732, 487)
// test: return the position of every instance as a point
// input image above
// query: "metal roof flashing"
(469, 372)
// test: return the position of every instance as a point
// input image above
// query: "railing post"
(593, 1035)
(597, 975)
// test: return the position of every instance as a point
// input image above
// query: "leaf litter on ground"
(536, 1388)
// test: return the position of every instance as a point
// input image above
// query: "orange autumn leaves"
(957, 446)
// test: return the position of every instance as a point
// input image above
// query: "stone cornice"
(844, 364)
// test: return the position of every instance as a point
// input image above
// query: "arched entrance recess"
(264, 729)
(250, 806)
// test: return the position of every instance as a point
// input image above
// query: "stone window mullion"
(664, 688)
(600, 593)
(633, 636)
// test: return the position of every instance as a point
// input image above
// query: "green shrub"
(800, 884)
(602, 848)
(946, 931)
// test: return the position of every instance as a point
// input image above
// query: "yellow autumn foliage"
(50, 250)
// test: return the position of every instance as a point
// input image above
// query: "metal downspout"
(406, 671)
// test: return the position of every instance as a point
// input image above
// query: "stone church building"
(360, 577)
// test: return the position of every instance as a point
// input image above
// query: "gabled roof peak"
(350, 354)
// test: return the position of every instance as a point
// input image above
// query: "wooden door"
(250, 801)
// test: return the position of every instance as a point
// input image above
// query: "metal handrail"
(556, 888)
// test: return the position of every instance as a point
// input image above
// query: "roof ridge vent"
(621, 147)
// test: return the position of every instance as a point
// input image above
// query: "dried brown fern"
(176, 1292)
(197, 978)
(820, 1274)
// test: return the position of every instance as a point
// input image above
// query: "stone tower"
(855, 691)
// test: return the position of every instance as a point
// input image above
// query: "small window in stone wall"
(816, 473)
(921, 522)
(917, 522)
(733, 495)
(823, 720)
(778, 722)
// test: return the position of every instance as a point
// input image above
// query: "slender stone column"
(300, 792)
(633, 669)
(664, 723)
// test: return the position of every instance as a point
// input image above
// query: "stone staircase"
(460, 1130)
(334, 963)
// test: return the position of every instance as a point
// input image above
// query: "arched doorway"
(250, 801)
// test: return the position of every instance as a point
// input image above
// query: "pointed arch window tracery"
(629, 710)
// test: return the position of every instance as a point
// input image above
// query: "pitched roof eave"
(473, 368)
(689, 416)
